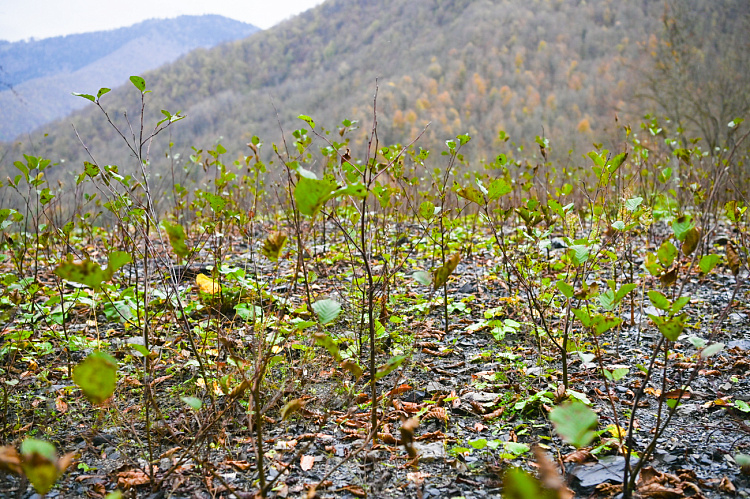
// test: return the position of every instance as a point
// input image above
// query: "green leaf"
(498, 188)
(681, 226)
(579, 396)
(139, 83)
(579, 254)
(193, 402)
(616, 162)
(96, 376)
(469, 193)
(140, 349)
(327, 342)
(624, 290)
(518, 484)
(575, 423)
(616, 374)
(659, 300)
(392, 364)
(516, 448)
(39, 464)
(307, 120)
(712, 350)
(652, 265)
(422, 277)
(102, 91)
(679, 303)
(708, 262)
(327, 310)
(479, 443)
(633, 203)
(85, 96)
(583, 316)
(86, 272)
(176, 234)
(670, 327)
(697, 341)
(619, 225)
(311, 194)
(602, 323)
(667, 253)
(427, 210)
(566, 289)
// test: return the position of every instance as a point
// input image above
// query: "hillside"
(37, 76)
(563, 70)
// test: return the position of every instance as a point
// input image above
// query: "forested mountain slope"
(560, 69)
(37, 76)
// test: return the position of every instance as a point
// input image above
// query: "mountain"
(37, 76)
(559, 69)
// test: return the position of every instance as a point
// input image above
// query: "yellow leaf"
(207, 285)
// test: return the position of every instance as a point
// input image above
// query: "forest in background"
(38, 76)
(564, 71)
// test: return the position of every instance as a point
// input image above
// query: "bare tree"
(701, 69)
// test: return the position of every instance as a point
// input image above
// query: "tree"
(701, 68)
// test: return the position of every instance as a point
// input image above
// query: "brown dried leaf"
(407, 436)
(668, 278)
(691, 241)
(550, 476)
(240, 465)
(579, 456)
(10, 460)
(131, 478)
(733, 258)
(494, 414)
(291, 407)
(727, 486)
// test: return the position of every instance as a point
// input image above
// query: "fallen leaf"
(10, 460)
(131, 478)
(240, 465)
(579, 456)
(306, 462)
(207, 285)
(727, 486)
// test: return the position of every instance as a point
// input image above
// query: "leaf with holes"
(667, 253)
(682, 226)
(139, 83)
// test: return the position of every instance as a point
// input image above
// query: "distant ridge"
(566, 71)
(37, 77)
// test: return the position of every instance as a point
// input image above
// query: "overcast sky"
(22, 19)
